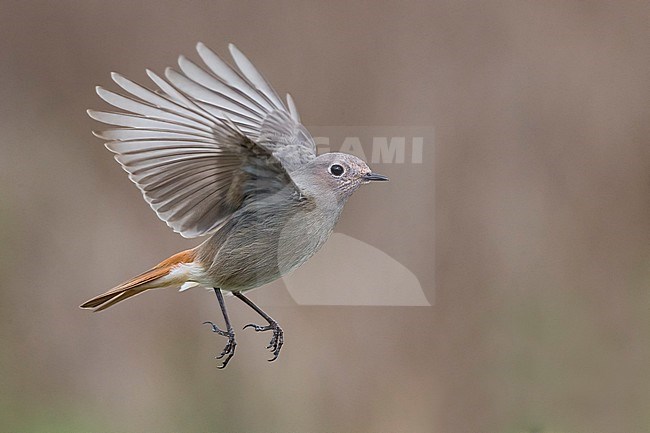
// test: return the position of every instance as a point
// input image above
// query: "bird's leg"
(278, 336)
(229, 350)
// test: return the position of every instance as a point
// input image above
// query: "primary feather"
(206, 141)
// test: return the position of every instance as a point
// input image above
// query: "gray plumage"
(215, 151)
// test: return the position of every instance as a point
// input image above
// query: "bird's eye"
(336, 170)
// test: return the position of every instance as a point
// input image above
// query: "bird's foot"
(276, 341)
(227, 351)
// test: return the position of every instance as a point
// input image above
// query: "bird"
(216, 153)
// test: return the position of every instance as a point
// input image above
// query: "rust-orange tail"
(154, 278)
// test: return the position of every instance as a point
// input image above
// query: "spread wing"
(204, 143)
(249, 101)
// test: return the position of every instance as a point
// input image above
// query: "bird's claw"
(229, 350)
(276, 341)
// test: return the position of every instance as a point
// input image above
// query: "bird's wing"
(196, 151)
(249, 101)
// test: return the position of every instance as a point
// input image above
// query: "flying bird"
(217, 153)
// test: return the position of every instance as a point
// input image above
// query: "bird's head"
(337, 173)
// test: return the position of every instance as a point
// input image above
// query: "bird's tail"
(171, 272)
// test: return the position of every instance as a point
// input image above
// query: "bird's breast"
(264, 244)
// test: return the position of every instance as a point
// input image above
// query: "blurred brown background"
(542, 223)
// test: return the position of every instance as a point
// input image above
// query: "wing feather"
(255, 78)
(230, 77)
(206, 141)
(152, 112)
(195, 73)
(292, 108)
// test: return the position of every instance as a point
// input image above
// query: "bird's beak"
(374, 177)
